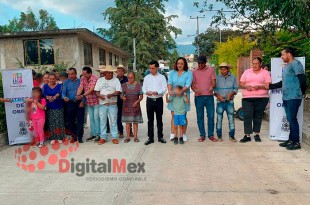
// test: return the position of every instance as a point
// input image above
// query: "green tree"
(145, 21)
(233, 49)
(30, 22)
(267, 16)
(174, 55)
(284, 38)
(208, 39)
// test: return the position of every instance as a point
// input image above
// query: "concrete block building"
(80, 47)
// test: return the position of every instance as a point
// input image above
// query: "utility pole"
(134, 56)
(197, 34)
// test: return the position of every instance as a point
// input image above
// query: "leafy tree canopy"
(267, 16)
(30, 22)
(233, 49)
(207, 40)
(145, 21)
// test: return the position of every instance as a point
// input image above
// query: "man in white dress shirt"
(154, 87)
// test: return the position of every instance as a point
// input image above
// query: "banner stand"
(279, 128)
(17, 85)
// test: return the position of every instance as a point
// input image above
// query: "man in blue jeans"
(225, 90)
(293, 87)
(204, 81)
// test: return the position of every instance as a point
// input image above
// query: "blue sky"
(87, 13)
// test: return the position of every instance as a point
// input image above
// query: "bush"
(2, 110)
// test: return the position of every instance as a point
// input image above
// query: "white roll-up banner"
(17, 85)
(279, 126)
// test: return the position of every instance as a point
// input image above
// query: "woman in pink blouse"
(255, 99)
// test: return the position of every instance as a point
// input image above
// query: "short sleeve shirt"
(249, 77)
(184, 80)
(290, 83)
(203, 80)
(36, 112)
(92, 98)
(179, 104)
(106, 87)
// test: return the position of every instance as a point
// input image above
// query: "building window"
(116, 60)
(110, 58)
(39, 52)
(88, 56)
(101, 56)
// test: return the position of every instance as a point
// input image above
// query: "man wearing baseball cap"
(203, 84)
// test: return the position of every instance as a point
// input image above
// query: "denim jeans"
(104, 112)
(94, 120)
(201, 102)
(291, 109)
(229, 108)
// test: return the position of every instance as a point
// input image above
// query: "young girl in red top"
(37, 115)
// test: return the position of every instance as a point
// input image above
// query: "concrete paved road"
(194, 173)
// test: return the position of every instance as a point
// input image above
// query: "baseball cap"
(202, 59)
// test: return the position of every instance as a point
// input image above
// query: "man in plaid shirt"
(87, 84)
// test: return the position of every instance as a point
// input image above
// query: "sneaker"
(232, 139)
(101, 141)
(171, 136)
(175, 140)
(41, 144)
(220, 139)
(257, 138)
(245, 139)
(181, 140)
(53, 142)
(293, 146)
(285, 144)
(91, 138)
(184, 138)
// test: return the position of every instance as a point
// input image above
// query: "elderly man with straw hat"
(108, 89)
(225, 90)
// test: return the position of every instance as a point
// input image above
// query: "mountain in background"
(186, 49)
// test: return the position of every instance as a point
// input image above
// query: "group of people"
(112, 101)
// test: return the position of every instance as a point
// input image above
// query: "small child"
(178, 101)
(37, 115)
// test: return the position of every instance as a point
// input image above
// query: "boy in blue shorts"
(178, 102)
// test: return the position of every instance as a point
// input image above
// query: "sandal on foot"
(127, 140)
(136, 140)
(201, 139)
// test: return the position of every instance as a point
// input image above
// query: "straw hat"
(109, 68)
(101, 68)
(224, 64)
(121, 67)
